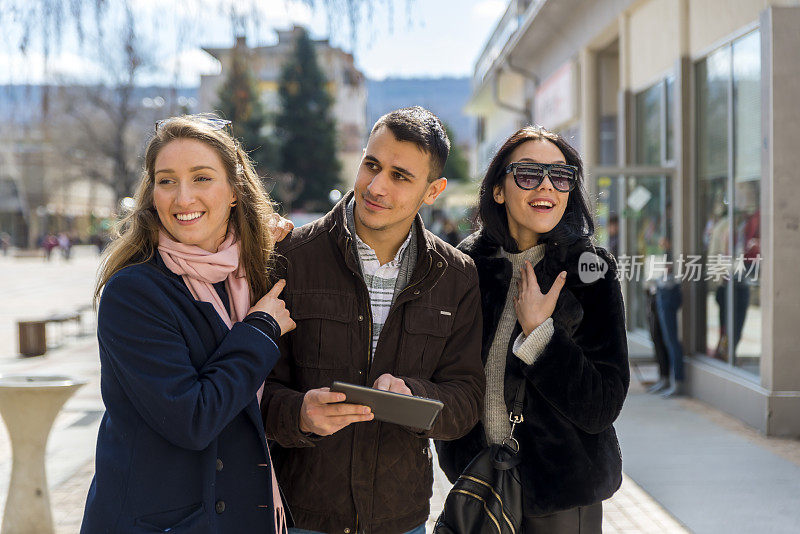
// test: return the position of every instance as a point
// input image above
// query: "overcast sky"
(424, 38)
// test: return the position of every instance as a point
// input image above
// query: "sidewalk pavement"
(688, 468)
(709, 470)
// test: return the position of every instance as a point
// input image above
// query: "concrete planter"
(29, 405)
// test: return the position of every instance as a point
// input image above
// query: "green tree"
(457, 167)
(305, 128)
(239, 102)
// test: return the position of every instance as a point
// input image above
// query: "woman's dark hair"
(577, 221)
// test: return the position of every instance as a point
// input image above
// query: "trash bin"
(32, 338)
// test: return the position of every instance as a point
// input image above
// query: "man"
(378, 301)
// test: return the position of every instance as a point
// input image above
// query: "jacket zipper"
(422, 279)
(394, 306)
(369, 318)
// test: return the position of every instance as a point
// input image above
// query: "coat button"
(439, 264)
(220, 507)
(347, 531)
(360, 317)
(219, 464)
(416, 291)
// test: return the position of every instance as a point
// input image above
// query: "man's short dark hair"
(421, 127)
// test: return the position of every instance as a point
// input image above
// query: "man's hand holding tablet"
(387, 382)
(324, 412)
(392, 405)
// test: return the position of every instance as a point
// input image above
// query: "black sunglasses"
(529, 175)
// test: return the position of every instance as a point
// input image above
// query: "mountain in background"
(445, 97)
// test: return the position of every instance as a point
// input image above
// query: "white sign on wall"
(555, 98)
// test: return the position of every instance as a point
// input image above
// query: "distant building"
(685, 113)
(49, 181)
(345, 83)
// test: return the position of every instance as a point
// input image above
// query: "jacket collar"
(427, 255)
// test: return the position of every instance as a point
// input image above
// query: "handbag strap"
(515, 417)
(516, 408)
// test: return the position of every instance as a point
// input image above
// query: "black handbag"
(487, 497)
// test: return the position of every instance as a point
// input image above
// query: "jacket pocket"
(186, 519)
(427, 329)
(325, 321)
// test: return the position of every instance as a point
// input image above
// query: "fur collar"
(557, 258)
(494, 277)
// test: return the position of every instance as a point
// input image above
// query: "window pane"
(670, 112)
(746, 339)
(648, 232)
(713, 78)
(607, 214)
(607, 91)
(747, 107)
(648, 126)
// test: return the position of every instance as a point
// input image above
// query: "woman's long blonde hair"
(136, 234)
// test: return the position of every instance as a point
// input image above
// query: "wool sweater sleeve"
(141, 340)
(528, 348)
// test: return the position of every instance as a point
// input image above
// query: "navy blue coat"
(181, 447)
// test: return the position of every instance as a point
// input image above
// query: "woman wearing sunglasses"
(187, 326)
(553, 320)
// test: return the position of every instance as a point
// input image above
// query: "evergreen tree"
(457, 167)
(305, 127)
(239, 102)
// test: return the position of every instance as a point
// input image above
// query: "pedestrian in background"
(668, 299)
(552, 329)
(5, 242)
(49, 242)
(187, 328)
(65, 244)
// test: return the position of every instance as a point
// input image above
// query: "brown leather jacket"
(370, 477)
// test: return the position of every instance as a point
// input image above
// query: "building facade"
(54, 175)
(345, 83)
(685, 113)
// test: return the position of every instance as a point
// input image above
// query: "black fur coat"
(574, 390)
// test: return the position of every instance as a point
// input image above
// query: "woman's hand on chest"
(531, 305)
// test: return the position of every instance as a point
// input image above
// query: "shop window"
(655, 129)
(728, 85)
(669, 119)
(648, 126)
(646, 201)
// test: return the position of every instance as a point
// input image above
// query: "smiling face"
(192, 194)
(391, 185)
(531, 213)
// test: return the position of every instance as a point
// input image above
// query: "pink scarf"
(199, 270)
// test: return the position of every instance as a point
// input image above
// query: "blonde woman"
(187, 326)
